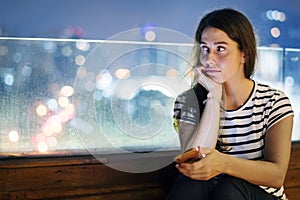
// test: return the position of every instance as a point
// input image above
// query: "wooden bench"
(292, 182)
(84, 177)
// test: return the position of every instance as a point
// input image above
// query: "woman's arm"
(206, 133)
(271, 172)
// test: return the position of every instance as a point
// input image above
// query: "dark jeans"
(223, 187)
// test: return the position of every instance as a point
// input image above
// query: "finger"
(201, 77)
(194, 174)
(205, 151)
(191, 166)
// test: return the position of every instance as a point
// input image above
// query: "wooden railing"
(84, 177)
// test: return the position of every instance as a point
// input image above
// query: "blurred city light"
(13, 136)
(67, 91)
(42, 147)
(150, 36)
(63, 102)
(41, 110)
(275, 32)
(122, 73)
(82, 45)
(276, 15)
(172, 73)
(79, 59)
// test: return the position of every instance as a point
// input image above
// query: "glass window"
(60, 95)
(292, 85)
(72, 95)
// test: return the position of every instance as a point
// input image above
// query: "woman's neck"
(236, 94)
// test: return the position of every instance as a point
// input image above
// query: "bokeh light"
(41, 110)
(42, 147)
(49, 46)
(47, 130)
(70, 109)
(150, 36)
(67, 91)
(104, 80)
(80, 60)
(9, 79)
(66, 51)
(172, 73)
(276, 15)
(52, 104)
(17, 57)
(27, 70)
(83, 46)
(289, 81)
(55, 123)
(275, 32)
(63, 116)
(63, 101)
(122, 73)
(13, 136)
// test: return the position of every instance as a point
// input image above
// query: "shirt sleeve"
(281, 108)
(188, 106)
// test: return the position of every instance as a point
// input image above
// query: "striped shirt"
(244, 129)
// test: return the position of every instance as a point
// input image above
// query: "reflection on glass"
(68, 96)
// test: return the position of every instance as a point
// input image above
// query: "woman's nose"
(211, 57)
(210, 62)
(207, 59)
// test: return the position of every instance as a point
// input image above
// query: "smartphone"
(189, 156)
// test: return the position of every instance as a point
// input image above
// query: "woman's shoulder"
(267, 93)
(196, 92)
(266, 89)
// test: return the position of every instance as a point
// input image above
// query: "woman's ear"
(244, 58)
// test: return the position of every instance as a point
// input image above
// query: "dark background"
(101, 19)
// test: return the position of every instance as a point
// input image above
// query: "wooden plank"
(292, 178)
(149, 194)
(22, 162)
(295, 156)
(62, 176)
(123, 160)
(84, 177)
(293, 193)
(95, 175)
(4, 195)
(88, 193)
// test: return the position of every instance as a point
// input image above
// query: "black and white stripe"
(243, 130)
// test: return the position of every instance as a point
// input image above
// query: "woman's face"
(221, 56)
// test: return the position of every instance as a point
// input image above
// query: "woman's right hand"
(213, 87)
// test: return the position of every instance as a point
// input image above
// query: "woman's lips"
(212, 70)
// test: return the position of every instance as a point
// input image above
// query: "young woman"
(254, 129)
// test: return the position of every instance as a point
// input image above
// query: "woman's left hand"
(204, 169)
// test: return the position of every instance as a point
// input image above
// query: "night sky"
(101, 19)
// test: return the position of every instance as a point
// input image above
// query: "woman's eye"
(220, 49)
(204, 49)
